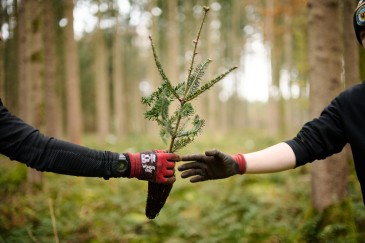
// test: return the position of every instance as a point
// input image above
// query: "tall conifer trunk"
(101, 85)
(118, 81)
(34, 76)
(329, 179)
(351, 56)
(73, 100)
(53, 127)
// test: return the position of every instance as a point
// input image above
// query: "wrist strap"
(241, 161)
(135, 166)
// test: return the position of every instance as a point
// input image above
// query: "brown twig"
(50, 204)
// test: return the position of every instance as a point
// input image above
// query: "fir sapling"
(180, 127)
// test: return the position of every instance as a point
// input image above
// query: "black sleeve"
(321, 137)
(21, 142)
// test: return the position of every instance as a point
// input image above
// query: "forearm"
(71, 159)
(19, 141)
(276, 158)
(52, 155)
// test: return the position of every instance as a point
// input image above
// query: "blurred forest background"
(77, 70)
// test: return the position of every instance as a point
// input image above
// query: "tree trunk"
(23, 34)
(273, 47)
(173, 69)
(101, 85)
(53, 127)
(328, 177)
(34, 77)
(73, 100)
(152, 73)
(118, 90)
(212, 103)
(288, 107)
(351, 57)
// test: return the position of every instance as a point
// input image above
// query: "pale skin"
(279, 157)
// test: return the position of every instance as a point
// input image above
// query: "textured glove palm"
(155, 166)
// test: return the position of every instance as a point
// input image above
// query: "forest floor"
(249, 208)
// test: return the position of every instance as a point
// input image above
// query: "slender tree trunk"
(288, 107)
(34, 72)
(238, 112)
(152, 73)
(53, 127)
(329, 177)
(73, 100)
(213, 102)
(351, 57)
(23, 34)
(118, 90)
(101, 85)
(173, 69)
(273, 50)
(224, 106)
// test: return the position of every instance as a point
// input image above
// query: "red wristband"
(134, 164)
(241, 161)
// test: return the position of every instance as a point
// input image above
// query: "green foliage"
(252, 208)
(14, 176)
(182, 126)
(334, 224)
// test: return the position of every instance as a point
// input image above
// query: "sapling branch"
(206, 9)
(183, 125)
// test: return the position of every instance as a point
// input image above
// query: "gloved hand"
(156, 166)
(213, 165)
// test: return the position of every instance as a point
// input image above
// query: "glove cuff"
(241, 161)
(135, 164)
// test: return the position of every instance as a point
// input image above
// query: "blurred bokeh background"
(77, 70)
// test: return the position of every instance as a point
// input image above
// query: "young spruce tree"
(180, 127)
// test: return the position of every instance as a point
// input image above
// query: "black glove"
(213, 165)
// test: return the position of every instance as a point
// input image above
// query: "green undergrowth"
(249, 208)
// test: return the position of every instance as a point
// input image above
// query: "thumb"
(215, 153)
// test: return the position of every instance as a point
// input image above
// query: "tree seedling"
(183, 125)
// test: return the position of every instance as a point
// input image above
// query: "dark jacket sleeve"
(321, 137)
(21, 142)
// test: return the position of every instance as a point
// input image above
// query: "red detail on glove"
(241, 161)
(152, 166)
(135, 162)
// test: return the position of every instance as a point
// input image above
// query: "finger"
(192, 172)
(188, 166)
(170, 180)
(168, 173)
(170, 165)
(192, 157)
(213, 152)
(174, 158)
(197, 179)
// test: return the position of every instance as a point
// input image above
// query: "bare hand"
(213, 165)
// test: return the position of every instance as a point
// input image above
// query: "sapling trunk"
(182, 126)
